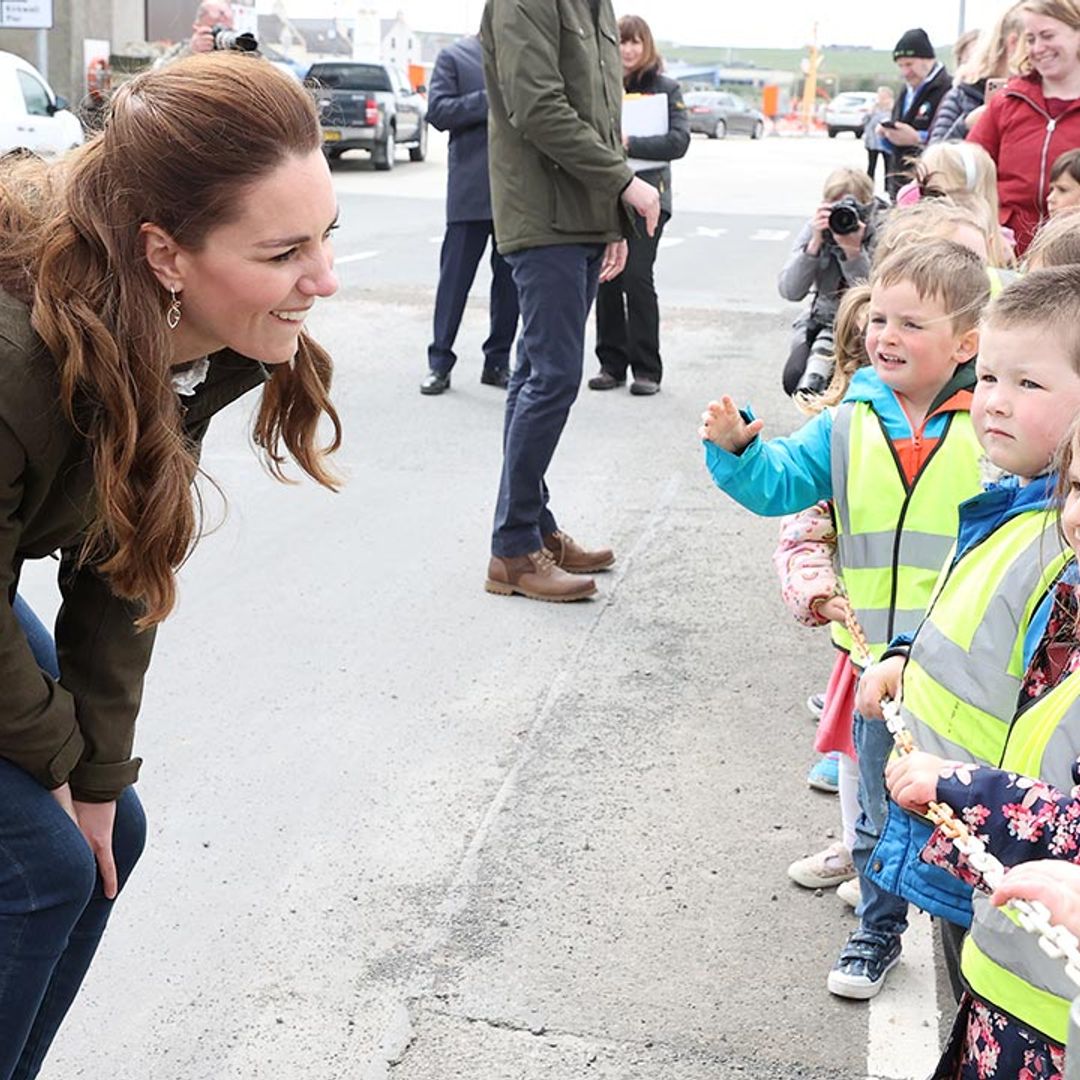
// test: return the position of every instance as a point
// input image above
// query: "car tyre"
(832, 133)
(720, 131)
(383, 154)
(859, 132)
(759, 130)
(419, 151)
(333, 155)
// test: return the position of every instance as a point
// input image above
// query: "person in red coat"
(1036, 117)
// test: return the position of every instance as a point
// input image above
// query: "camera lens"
(843, 220)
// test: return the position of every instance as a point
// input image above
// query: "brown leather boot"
(536, 576)
(573, 558)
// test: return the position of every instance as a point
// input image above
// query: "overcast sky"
(775, 23)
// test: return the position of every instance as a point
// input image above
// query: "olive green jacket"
(555, 155)
(80, 729)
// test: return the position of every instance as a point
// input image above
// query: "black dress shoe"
(500, 378)
(605, 381)
(435, 383)
(644, 387)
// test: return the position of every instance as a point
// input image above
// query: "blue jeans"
(52, 907)
(556, 287)
(880, 911)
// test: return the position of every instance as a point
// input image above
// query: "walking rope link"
(1056, 941)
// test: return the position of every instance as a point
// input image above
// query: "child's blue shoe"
(825, 775)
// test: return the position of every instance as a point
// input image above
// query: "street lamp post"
(960, 29)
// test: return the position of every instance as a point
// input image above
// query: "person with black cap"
(925, 83)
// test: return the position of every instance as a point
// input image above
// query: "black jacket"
(920, 115)
(457, 102)
(661, 148)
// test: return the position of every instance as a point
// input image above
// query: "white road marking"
(704, 230)
(357, 256)
(434, 239)
(772, 235)
(903, 1028)
(671, 241)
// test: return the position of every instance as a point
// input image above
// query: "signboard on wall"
(26, 14)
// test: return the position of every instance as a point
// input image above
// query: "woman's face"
(254, 280)
(632, 50)
(1053, 46)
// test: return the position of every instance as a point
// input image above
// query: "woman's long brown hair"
(180, 148)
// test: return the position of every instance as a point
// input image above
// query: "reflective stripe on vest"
(963, 673)
(1003, 963)
(892, 540)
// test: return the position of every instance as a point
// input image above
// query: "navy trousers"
(53, 910)
(462, 248)
(556, 287)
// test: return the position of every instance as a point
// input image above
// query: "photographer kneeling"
(831, 252)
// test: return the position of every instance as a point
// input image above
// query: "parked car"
(849, 112)
(715, 113)
(32, 117)
(368, 106)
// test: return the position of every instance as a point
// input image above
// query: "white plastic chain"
(1057, 942)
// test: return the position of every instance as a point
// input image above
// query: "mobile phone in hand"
(992, 87)
(888, 123)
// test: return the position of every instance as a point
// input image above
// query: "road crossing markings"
(671, 241)
(903, 1035)
(704, 230)
(357, 256)
(771, 235)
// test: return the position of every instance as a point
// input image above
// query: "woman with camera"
(627, 314)
(157, 273)
(1036, 117)
(831, 252)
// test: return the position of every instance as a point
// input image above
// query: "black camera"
(847, 214)
(229, 39)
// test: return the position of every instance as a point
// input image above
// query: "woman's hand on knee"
(95, 821)
(62, 795)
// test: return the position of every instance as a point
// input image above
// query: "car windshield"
(350, 76)
(850, 101)
(700, 97)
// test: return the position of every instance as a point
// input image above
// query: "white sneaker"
(825, 869)
(849, 892)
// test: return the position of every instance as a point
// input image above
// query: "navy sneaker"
(864, 962)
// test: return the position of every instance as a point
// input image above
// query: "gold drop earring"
(172, 315)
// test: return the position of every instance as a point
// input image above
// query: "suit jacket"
(457, 103)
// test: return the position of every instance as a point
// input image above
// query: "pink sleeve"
(804, 561)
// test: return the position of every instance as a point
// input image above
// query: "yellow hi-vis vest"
(1002, 963)
(966, 663)
(892, 538)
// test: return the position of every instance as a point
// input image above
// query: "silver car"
(849, 112)
(716, 113)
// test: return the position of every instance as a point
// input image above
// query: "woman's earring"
(172, 315)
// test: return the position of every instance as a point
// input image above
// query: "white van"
(32, 117)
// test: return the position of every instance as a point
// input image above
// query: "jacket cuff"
(896, 650)
(92, 782)
(59, 769)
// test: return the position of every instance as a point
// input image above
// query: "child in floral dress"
(1019, 818)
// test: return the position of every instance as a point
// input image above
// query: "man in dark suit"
(926, 82)
(457, 102)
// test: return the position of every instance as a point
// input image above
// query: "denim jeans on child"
(878, 910)
(52, 907)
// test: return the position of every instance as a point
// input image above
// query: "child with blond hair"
(897, 456)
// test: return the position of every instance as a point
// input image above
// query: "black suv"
(367, 106)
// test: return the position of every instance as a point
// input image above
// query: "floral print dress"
(1022, 819)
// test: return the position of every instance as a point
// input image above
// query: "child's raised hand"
(722, 424)
(878, 681)
(912, 780)
(1053, 882)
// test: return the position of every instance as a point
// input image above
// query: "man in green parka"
(559, 185)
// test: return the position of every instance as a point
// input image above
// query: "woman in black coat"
(627, 315)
